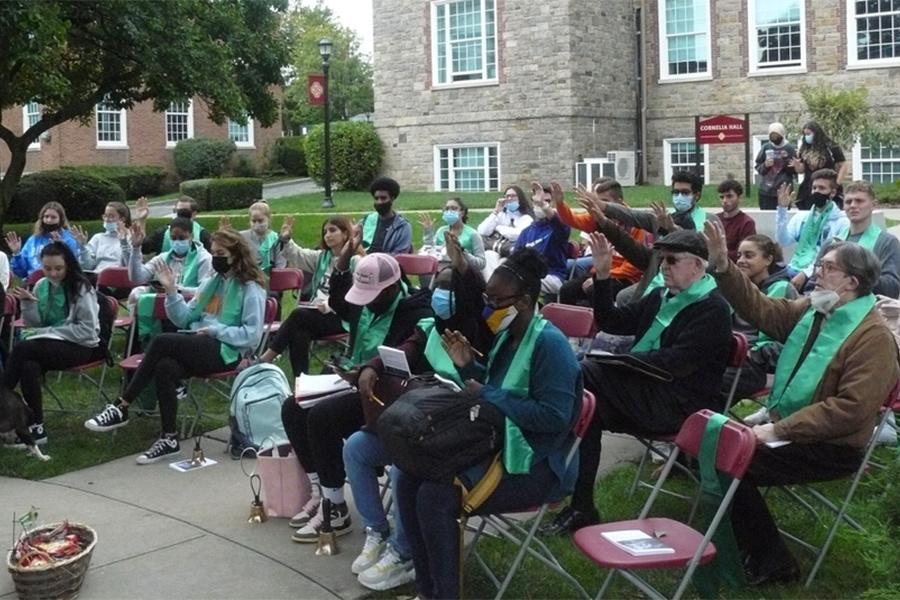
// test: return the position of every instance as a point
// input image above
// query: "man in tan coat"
(838, 365)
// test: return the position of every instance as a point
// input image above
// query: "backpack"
(256, 397)
(435, 433)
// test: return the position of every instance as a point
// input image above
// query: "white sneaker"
(888, 436)
(663, 450)
(340, 524)
(309, 509)
(372, 549)
(389, 572)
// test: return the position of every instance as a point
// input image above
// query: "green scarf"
(51, 301)
(369, 225)
(810, 232)
(197, 228)
(230, 313)
(868, 238)
(517, 453)
(436, 355)
(698, 217)
(726, 567)
(669, 309)
(776, 290)
(465, 238)
(321, 268)
(265, 251)
(371, 329)
(657, 282)
(795, 381)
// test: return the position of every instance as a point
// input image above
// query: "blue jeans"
(363, 455)
(583, 266)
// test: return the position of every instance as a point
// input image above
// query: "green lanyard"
(322, 264)
(371, 329)
(370, 224)
(265, 251)
(808, 245)
(868, 238)
(669, 309)
(51, 301)
(776, 290)
(437, 357)
(230, 312)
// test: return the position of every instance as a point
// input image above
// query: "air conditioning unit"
(624, 167)
(591, 168)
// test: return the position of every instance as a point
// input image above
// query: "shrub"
(355, 154)
(84, 196)
(243, 166)
(223, 193)
(201, 157)
(289, 155)
(136, 181)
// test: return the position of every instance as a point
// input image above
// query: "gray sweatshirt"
(887, 249)
(82, 325)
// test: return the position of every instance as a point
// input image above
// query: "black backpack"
(435, 433)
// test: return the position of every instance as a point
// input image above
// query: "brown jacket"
(846, 403)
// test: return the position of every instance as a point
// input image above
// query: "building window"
(241, 134)
(684, 40)
(464, 42)
(679, 154)
(111, 126)
(179, 122)
(873, 33)
(31, 114)
(777, 35)
(468, 168)
(876, 163)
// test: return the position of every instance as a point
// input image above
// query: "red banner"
(315, 89)
(721, 130)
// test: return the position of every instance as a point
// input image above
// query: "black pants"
(317, 434)
(170, 358)
(753, 379)
(297, 331)
(754, 528)
(767, 202)
(30, 359)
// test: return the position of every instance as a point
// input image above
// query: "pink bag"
(285, 485)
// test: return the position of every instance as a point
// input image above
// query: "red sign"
(721, 130)
(315, 89)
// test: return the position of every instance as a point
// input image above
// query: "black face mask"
(383, 301)
(776, 139)
(384, 208)
(220, 264)
(184, 213)
(50, 227)
(819, 199)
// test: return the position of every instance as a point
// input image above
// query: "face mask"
(808, 138)
(450, 217)
(49, 227)
(682, 202)
(111, 227)
(181, 247)
(498, 319)
(818, 199)
(824, 301)
(220, 264)
(442, 303)
(384, 208)
(260, 228)
(512, 207)
(776, 139)
(184, 213)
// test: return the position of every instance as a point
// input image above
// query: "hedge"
(196, 158)
(223, 193)
(136, 181)
(289, 155)
(84, 196)
(355, 154)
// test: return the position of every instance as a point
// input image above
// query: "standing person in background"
(773, 163)
(110, 248)
(385, 230)
(455, 218)
(817, 152)
(51, 226)
(263, 241)
(738, 225)
(160, 241)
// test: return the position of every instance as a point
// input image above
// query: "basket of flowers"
(50, 561)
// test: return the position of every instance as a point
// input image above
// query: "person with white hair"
(773, 163)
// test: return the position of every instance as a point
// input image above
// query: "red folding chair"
(34, 277)
(10, 306)
(423, 265)
(576, 322)
(280, 281)
(692, 548)
(117, 278)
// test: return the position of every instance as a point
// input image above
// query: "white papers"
(778, 443)
(394, 361)
(637, 543)
(183, 466)
(307, 385)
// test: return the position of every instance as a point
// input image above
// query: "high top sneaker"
(340, 524)
(309, 509)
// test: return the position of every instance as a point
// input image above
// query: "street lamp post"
(325, 52)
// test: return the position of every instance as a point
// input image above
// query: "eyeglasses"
(828, 267)
(512, 196)
(495, 302)
(671, 259)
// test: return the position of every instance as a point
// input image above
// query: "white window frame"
(667, 159)
(664, 75)
(853, 62)
(26, 123)
(242, 144)
(122, 142)
(757, 142)
(452, 183)
(485, 80)
(190, 123)
(753, 49)
(858, 161)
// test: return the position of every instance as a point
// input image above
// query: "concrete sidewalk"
(165, 534)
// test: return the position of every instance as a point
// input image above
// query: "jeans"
(363, 454)
(582, 264)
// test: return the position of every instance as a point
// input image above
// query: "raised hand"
(79, 234)
(602, 253)
(349, 249)
(716, 243)
(591, 202)
(537, 193)
(455, 252)
(141, 209)
(56, 236)
(13, 241)
(426, 221)
(122, 230)
(457, 347)
(498, 207)
(224, 223)
(137, 234)
(287, 228)
(784, 195)
(166, 277)
(663, 217)
(556, 193)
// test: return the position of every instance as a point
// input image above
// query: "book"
(630, 361)
(183, 466)
(308, 386)
(637, 543)
(394, 361)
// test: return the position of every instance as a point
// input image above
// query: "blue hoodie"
(28, 260)
(549, 237)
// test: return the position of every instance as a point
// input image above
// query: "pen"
(375, 399)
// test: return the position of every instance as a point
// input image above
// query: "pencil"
(375, 399)
(477, 353)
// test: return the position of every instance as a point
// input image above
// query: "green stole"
(465, 238)
(319, 274)
(807, 245)
(776, 290)
(657, 282)
(517, 453)
(669, 309)
(51, 302)
(231, 313)
(437, 357)
(265, 251)
(371, 329)
(698, 217)
(868, 238)
(795, 381)
(196, 228)
(147, 325)
(369, 224)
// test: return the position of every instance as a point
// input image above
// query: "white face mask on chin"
(825, 301)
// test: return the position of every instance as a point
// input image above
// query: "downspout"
(640, 127)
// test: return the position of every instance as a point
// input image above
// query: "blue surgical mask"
(442, 303)
(181, 247)
(111, 226)
(809, 138)
(512, 207)
(682, 202)
(450, 217)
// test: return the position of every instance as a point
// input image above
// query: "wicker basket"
(62, 579)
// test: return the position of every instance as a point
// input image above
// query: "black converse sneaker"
(160, 449)
(111, 418)
(37, 434)
(340, 524)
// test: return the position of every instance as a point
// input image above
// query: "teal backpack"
(256, 397)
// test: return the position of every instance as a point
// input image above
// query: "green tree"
(350, 86)
(68, 56)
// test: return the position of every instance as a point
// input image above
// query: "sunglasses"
(672, 259)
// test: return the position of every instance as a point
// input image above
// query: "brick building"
(138, 136)
(475, 94)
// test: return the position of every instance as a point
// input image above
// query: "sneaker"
(37, 434)
(569, 521)
(181, 392)
(111, 418)
(160, 449)
(309, 509)
(662, 452)
(371, 552)
(340, 524)
(888, 435)
(389, 572)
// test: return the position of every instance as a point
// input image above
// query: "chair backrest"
(283, 280)
(738, 350)
(736, 443)
(159, 307)
(892, 402)
(9, 306)
(35, 276)
(588, 405)
(114, 277)
(573, 321)
(417, 264)
(271, 311)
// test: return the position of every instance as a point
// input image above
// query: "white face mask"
(260, 228)
(824, 301)
(539, 213)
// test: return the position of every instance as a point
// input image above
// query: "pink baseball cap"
(373, 273)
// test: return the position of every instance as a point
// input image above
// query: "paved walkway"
(165, 534)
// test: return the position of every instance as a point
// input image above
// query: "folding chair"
(33, 278)
(117, 277)
(692, 548)
(417, 264)
(574, 321)
(524, 537)
(280, 281)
